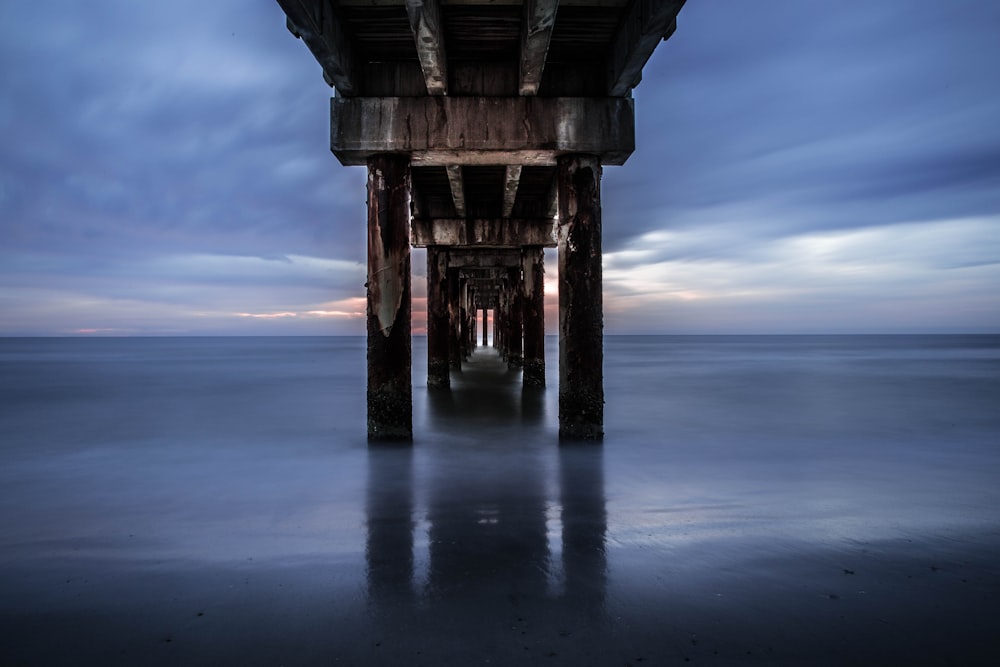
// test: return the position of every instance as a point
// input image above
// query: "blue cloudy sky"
(802, 166)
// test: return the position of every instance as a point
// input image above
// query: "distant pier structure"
(484, 126)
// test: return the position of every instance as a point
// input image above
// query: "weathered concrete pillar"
(514, 346)
(496, 327)
(463, 324)
(437, 318)
(454, 321)
(581, 312)
(390, 394)
(486, 326)
(504, 319)
(533, 311)
(470, 310)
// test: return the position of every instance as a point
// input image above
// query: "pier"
(484, 127)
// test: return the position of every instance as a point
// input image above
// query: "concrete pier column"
(503, 318)
(390, 394)
(486, 326)
(463, 323)
(470, 317)
(514, 344)
(581, 312)
(437, 318)
(496, 327)
(454, 321)
(533, 313)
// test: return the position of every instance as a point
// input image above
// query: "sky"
(801, 167)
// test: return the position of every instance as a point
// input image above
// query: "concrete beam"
(482, 130)
(491, 3)
(428, 35)
(457, 188)
(538, 19)
(552, 201)
(512, 178)
(320, 27)
(491, 232)
(483, 275)
(645, 24)
(466, 259)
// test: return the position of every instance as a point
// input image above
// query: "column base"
(534, 373)
(581, 416)
(390, 415)
(438, 375)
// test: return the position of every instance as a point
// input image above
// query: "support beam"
(428, 35)
(457, 188)
(492, 232)
(533, 300)
(645, 24)
(437, 318)
(482, 130)
(512, 178)
(486, 259)
(486, 326)
(390, 402)
(320, 27)
(552, 203)
(581, 313)
(537, 21)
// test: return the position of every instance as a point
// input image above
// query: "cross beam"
(482, 130)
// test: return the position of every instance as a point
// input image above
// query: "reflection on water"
(788, 500)
(585, 522)
(511, 525)
(389, 512)
(485, 393)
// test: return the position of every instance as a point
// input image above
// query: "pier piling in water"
(485, 155)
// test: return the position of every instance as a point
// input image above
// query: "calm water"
(779, 500)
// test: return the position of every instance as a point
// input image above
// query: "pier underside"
(484, 127)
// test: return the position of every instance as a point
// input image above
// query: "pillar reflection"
(584, 523)
(489, 531)
(389, 513)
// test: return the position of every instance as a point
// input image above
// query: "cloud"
(818, 116)
(141, 129)
(919, 276)
(165, 167)
(180, 293)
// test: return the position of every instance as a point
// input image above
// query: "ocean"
(756, 499)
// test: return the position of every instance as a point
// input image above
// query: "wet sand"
(488, 542)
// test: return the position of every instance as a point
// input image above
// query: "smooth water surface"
(781, 500)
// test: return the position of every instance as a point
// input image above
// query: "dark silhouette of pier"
(484, 126)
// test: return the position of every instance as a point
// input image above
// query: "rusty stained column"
(390, 394)
(463, 324)
(454, 321)
(503, 318)
(581, 313)
(533, 311)
(470, 309)
(486, 326)
(437, 318)
(514, 345)
(496, 325)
